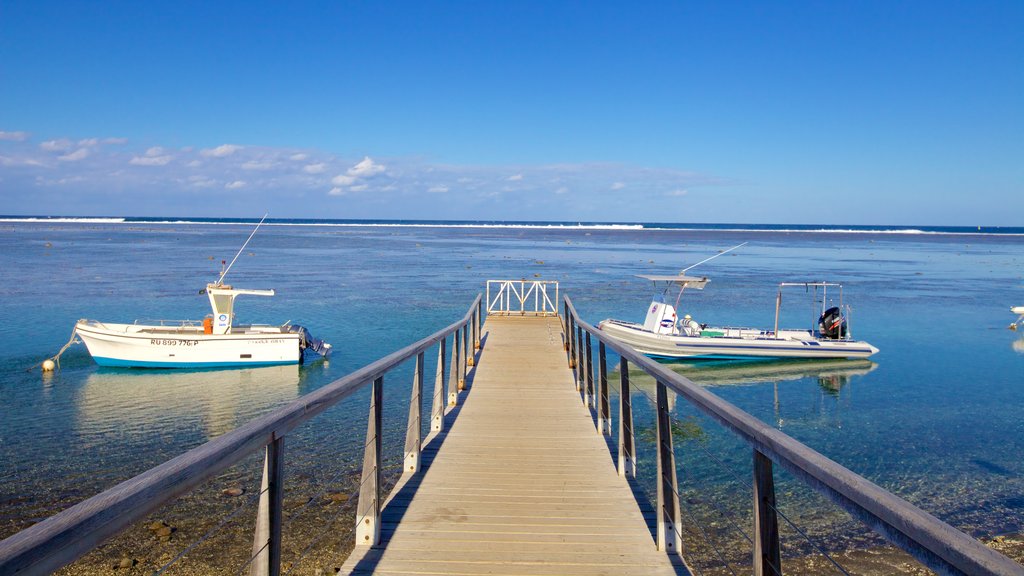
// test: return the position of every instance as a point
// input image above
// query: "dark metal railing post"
(767, 551)
(627, 442)
(467, 352)
(580, 365)
(440, 377)
(266, 545)
(479, 324)
(604, 423)
(669, 538)
(572, 342)
(565, 328)
(414, 432)
(369, 506)
(590, 374)
(455, 384)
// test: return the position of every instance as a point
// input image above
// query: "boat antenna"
(711, 258)
(225, 272)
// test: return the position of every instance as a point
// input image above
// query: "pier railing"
(935, 544)
(69, 535)
(522, 297)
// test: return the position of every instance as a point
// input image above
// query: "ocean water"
(936, 417)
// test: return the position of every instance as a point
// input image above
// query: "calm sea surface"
(937, 416)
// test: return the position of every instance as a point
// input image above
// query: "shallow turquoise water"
(938, 418)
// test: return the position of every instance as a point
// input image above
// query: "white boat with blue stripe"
(214, 342)
(664, 335)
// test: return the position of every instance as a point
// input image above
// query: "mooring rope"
(56, 358)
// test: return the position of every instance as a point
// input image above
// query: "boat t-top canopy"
(681, 280)
(222, 300)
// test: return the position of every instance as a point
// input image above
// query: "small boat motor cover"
(832, 324)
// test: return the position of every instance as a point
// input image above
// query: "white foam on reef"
(753, 229)
(59, 220)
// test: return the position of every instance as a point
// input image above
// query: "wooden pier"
(522, 483)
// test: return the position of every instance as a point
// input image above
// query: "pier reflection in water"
(211, 401)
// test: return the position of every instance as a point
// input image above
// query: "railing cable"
(210, 533)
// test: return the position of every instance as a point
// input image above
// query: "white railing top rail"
(934, 543)
(522, 297)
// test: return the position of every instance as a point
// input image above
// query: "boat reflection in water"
(214, 401)
(832, 375)
(1018, 345)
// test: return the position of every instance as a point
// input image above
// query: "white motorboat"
(664, 335)
(216, 341)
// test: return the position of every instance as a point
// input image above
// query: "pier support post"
(440, 378)
(669, 538)
(767, 551)
(414, 432)
(369, 506)
(604, 423)
(456, 378)
(266, 544)
(627, 442)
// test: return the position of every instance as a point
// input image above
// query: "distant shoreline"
(552, 225)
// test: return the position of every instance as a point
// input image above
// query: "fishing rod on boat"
(684, 271)
(226, 270)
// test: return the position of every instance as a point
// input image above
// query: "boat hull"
(138, 346)
(757, 345)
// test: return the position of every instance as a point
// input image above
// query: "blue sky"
(760, 112)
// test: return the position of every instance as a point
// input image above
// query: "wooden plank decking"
(521, 483)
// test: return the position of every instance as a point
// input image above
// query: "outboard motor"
(308, 342)
(832, 324)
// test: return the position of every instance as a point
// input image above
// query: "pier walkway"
(521, 483)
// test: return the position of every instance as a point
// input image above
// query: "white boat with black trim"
(216, 341)
(664, 335)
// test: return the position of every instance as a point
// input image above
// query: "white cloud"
(235, 185)
(194, 163)
(677, 192)
(221, 151)
(257, 165)
(115, 140)
(562, 190)
(75, 156)
(439, 189)
(318, 168)
(336, 191)
(618, 186)
(149, 160)
(56, 145)
(359, 188)
(298, 157)
(155, 151)
(365, 168)
(89, 142)
(13, 136)
(342, 180)
(515, 178)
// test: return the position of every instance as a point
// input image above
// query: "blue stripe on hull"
(117, 362)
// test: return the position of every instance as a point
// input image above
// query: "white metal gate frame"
(510, 297)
